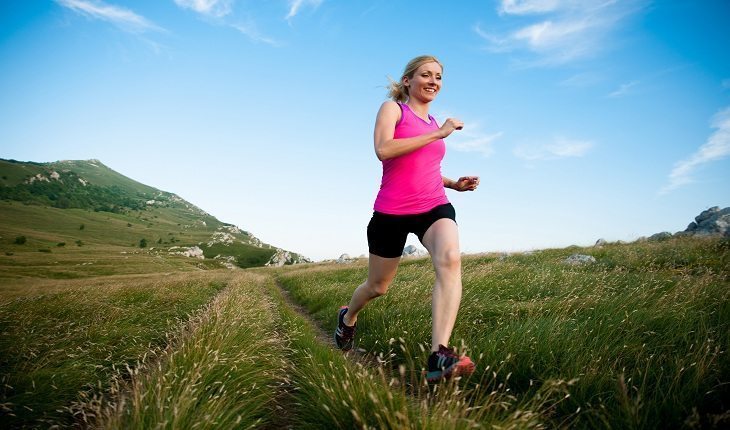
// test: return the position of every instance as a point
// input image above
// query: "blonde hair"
(399, 92)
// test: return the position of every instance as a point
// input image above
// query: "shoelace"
(347, 330)
(448, 352)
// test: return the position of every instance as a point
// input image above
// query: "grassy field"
(63, 340)
(636, 340)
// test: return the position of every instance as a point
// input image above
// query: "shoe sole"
(463, 367)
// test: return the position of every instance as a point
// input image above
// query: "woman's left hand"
(467, 183)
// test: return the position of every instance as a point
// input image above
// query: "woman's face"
(425, 83)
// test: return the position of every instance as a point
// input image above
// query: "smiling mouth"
(430, 90)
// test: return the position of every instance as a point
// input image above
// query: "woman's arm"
(465, 183)
(386, 147)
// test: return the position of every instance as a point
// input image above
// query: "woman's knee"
(378, 287)
(448, 259)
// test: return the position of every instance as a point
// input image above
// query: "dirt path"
(357, 355)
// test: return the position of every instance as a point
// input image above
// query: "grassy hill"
(58, 218)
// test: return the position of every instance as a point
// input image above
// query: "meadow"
(636, 340)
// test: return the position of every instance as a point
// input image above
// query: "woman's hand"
(450, 125)
(466, 183)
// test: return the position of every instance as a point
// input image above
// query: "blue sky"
(585, 119)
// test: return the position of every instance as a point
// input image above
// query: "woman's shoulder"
(391, 105)
(391, 109)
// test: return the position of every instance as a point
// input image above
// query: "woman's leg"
(442, 242)
(381, 272)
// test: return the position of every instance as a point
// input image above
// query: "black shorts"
(387, 233)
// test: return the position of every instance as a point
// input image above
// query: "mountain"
(78, 208)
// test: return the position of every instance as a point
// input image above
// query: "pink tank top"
(412, 183)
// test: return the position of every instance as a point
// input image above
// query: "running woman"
(412, 199)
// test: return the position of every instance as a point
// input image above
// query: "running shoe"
(444, 364)
(344, 334)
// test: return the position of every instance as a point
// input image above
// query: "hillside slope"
(66, 214)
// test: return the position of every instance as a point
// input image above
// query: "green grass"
(643, 333)
(636, 340)
(244, 254)
(71, 337)
(109, 245)
(222, 371)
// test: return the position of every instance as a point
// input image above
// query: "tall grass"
(329, 391)
(224, 371)
(636, 340)
(68, 340)
(641, 336)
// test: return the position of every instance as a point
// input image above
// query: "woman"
(412, 199)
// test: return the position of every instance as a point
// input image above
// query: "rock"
(222, 237)
(344, 258)
(711, 222)
(658, 237)
(282, 257)
(194, 252)
(578, 259)
(228, 261)
(600, 242)
(412, 251)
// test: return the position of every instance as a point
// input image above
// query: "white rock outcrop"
(711, 222)
(413, 252)
(222, 237)
(192, 252)
(282, 257)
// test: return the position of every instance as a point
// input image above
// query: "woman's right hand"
(450, 125)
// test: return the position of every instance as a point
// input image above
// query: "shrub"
(79, 243)
(44, 250)
(60, 244)
(81, 227)
(143, 243)
(20, 240)
(129, 224)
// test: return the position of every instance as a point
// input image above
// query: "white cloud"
(717, 147)
(560, 147)
(213, 8)
(119, 16)
(623, 89)
(251, 30)
(473, 141)
(295, 6)
(561, 32)
(525, 7)
(581, 80)
(471, 138)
